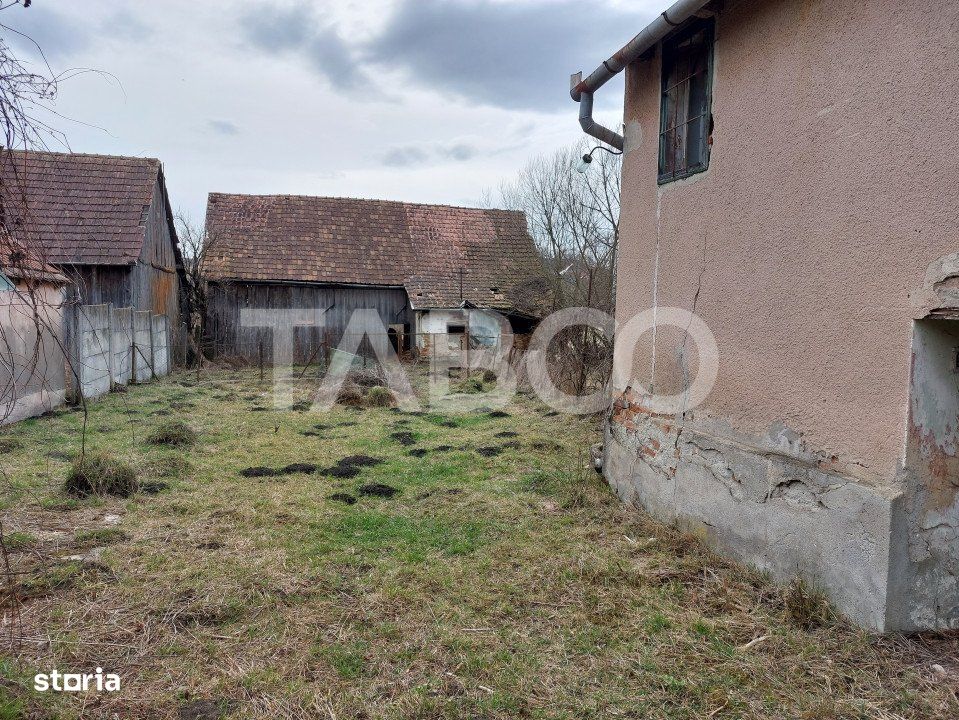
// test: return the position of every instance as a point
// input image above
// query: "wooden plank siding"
(226, 338)
(155, 277)
(152, 283)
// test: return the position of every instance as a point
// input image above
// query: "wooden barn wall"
(156, 284)
(100, 284)
(152, 283)
(228, 339)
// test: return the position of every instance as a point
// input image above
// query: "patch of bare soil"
(404, 437)
(351, 465)
(343, 498)
(378, 490)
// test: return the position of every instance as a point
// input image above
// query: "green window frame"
(686, 120)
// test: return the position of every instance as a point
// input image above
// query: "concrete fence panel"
(142, 346)
(161, 345)
(92, 357)
(121, 331)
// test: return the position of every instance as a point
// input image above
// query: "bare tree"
(197, 245)
(574, 220)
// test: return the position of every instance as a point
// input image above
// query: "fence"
(111, 346)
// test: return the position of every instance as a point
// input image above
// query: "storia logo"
(76, 682)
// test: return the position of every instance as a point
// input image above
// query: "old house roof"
(78, 209)
(19, 262)
(423, 248)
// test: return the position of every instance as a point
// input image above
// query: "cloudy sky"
(421, 100)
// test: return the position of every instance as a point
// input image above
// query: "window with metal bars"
(685, 115)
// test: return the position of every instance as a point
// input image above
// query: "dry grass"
(100, 473)
(175, 433)
(508, 586)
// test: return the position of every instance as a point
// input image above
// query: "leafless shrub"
(197, 245)
(574, 220)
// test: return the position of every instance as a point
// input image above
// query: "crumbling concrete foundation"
(887, 557)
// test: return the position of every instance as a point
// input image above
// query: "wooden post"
(466, 339)
(110, 345)
(261, 360)
(153, 353)
(133, 348)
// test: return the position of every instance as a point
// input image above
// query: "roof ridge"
(86, 155)
(404, 203)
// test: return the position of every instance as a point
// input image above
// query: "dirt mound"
(404, 437)
(378, 490)
(418, 452)
(506, 434)
(498, 414)
(343, 498)
(305, 468)
(351, 465)
(258, 471)
(491, 451)
(153, 487)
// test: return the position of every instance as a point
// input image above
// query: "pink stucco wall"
(833, 185)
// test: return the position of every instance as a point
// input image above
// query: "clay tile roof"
(283, 238)
(18, 262)
(79, 209)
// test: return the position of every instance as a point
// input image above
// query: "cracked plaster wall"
(825, 225)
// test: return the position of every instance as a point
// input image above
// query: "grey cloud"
(39, 25)
(126, 26)
(332, 57)
(459, 151)
(296, 30)
(407, 155)
(278, 30)
(512, 55)
(223, 127)
(404, 156)
(516, 55)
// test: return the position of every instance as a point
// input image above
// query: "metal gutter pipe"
(582, 90)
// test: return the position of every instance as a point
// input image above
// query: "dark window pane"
(686, 102)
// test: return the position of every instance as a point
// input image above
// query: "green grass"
(510, 586)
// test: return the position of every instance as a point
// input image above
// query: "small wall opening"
(932, 457)
(934, 396)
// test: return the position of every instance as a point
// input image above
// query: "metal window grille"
(686, 103)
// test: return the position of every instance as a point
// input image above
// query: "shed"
(103, 221)
(422, 267)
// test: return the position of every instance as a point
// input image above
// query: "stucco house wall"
(32, 375)
(822, 229)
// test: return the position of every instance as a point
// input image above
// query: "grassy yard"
(500, 580)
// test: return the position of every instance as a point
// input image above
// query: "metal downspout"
(582, 90)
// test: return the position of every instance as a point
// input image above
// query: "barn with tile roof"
(103, 221)
(422, 267)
